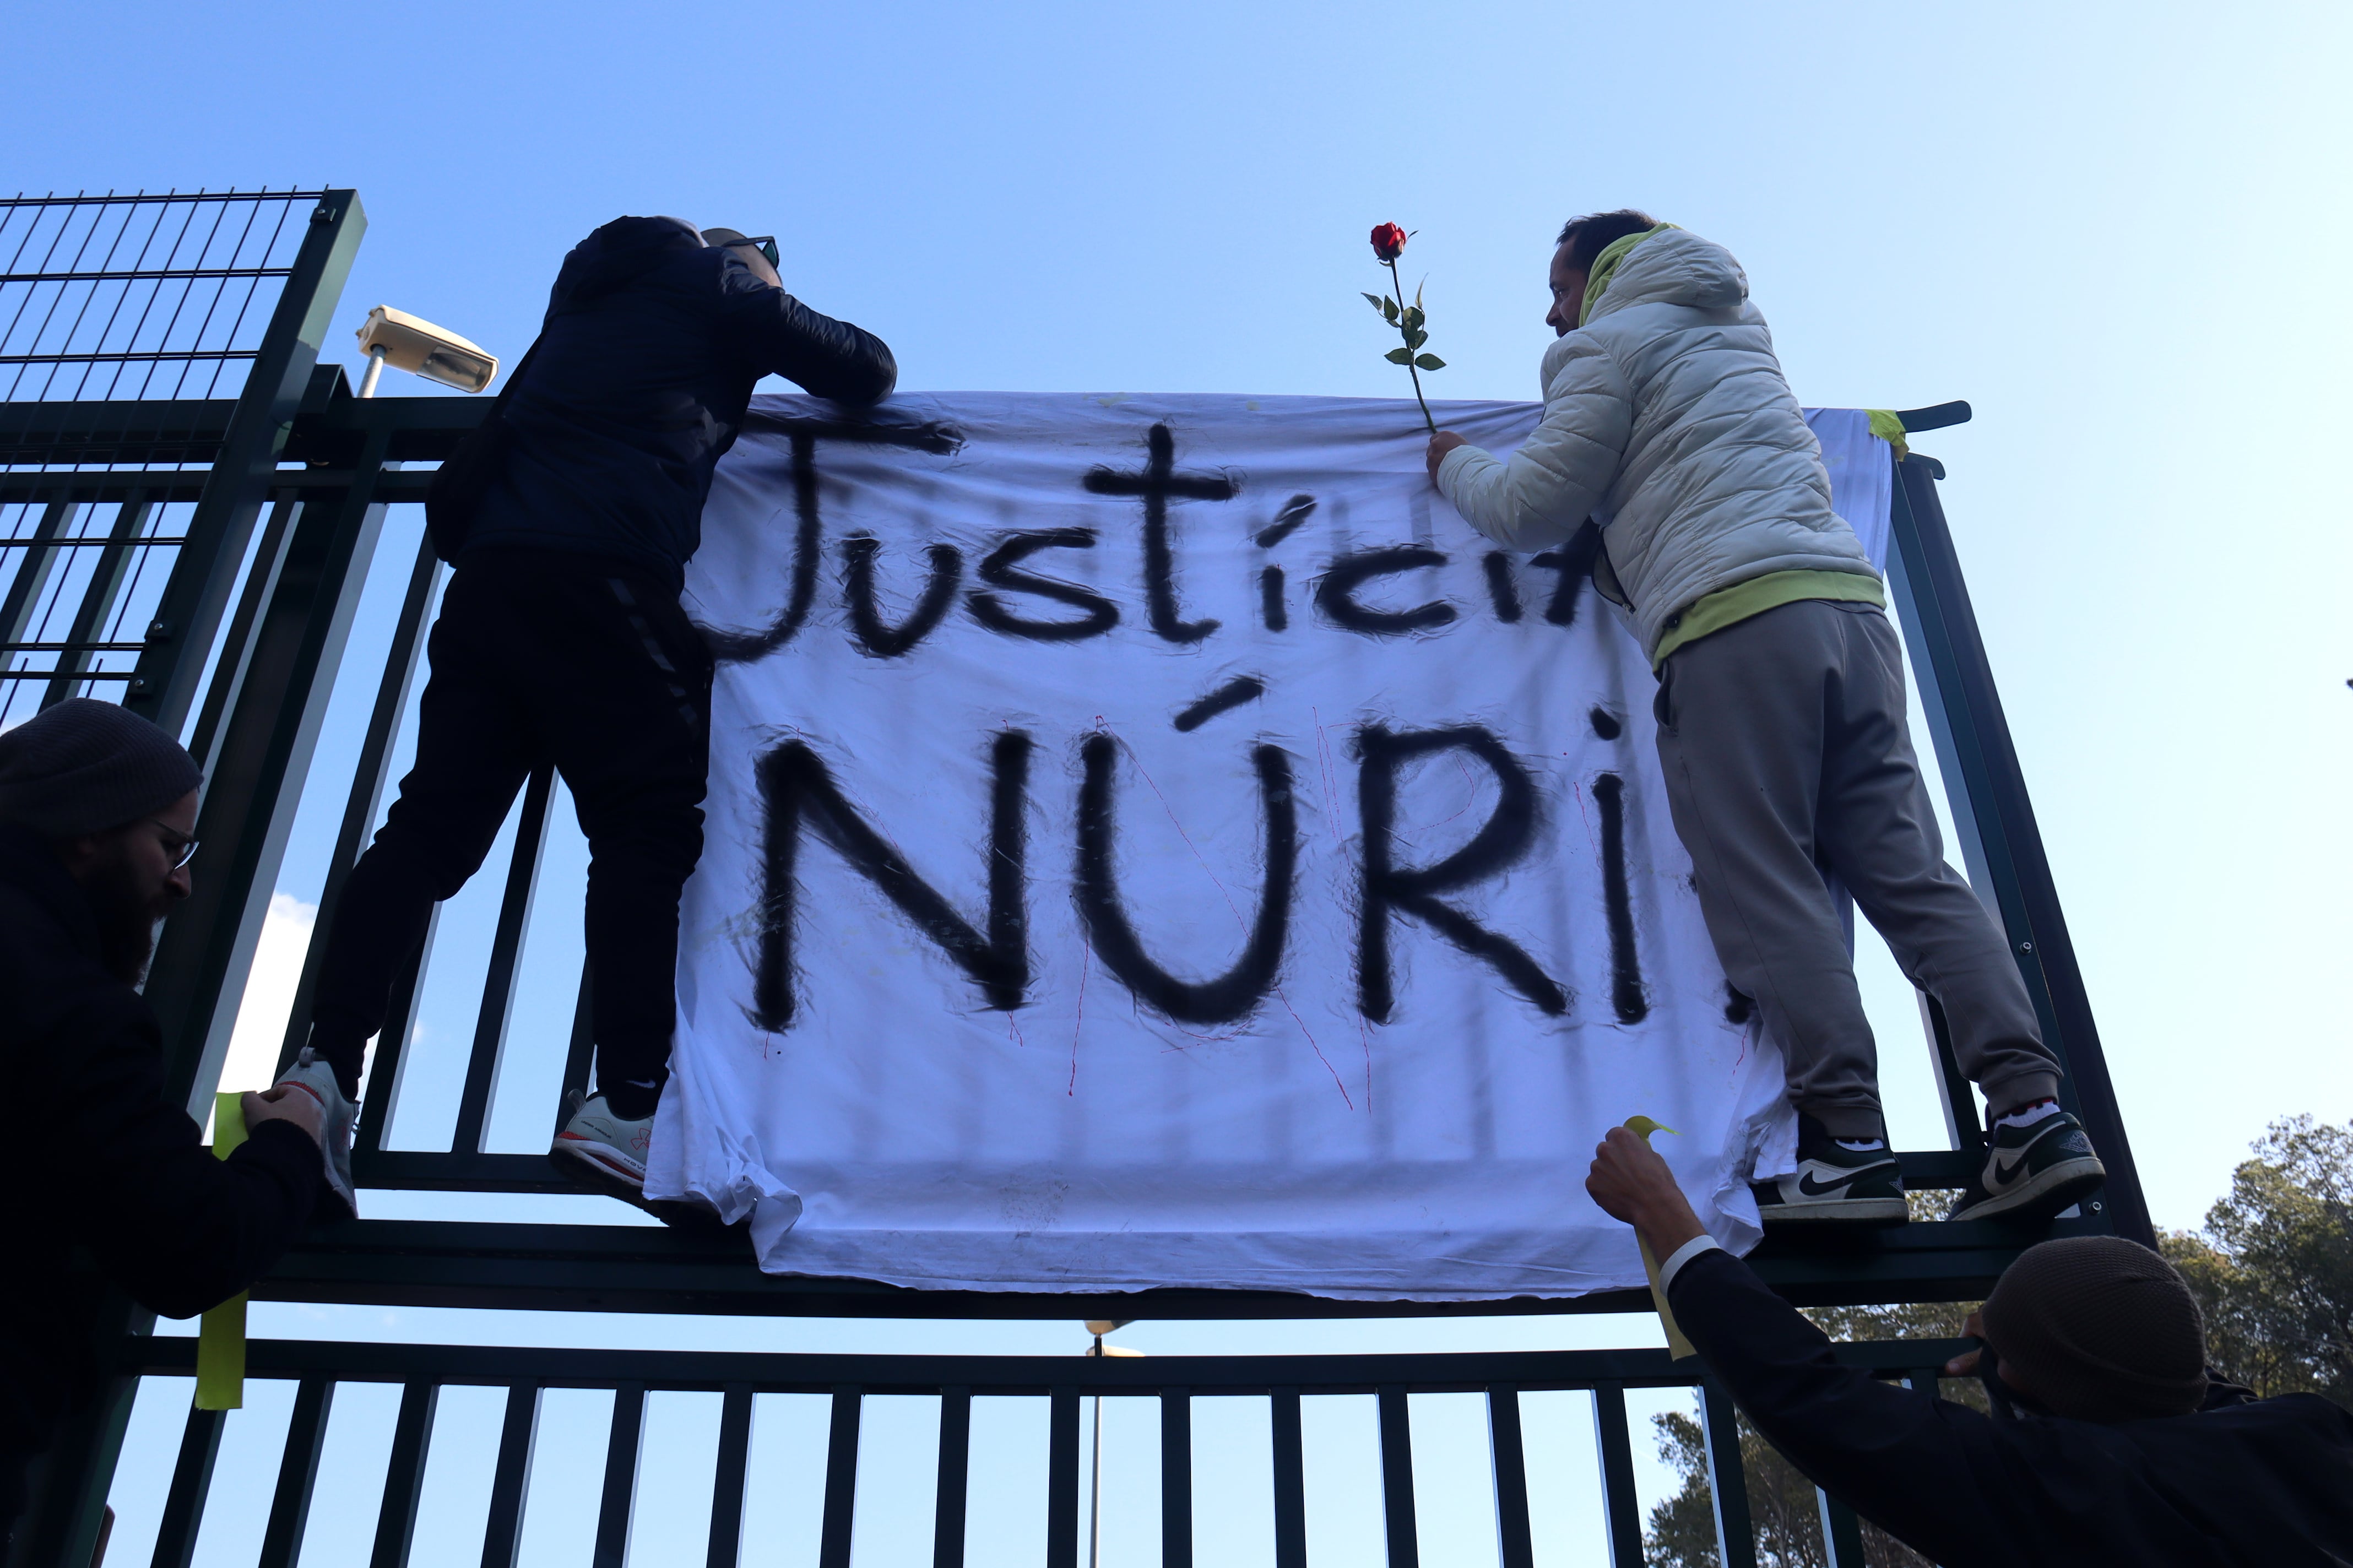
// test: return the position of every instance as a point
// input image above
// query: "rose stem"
(1409, 368)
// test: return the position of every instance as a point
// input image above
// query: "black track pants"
(541, 656)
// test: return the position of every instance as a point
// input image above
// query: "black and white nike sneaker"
(2032, 1171)
(1833, 1184)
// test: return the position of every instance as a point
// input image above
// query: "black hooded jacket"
(2261, 1483)
(651, 347)
(108, 1183)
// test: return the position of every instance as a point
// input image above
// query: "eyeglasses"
(182, 851)
(765, 244)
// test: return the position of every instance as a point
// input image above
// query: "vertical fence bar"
(37, 562)
(1176, 1479)
(381, 1097)
(728, 1477)
(1515, 1541)
(1841, 1533)
(1063, 1479)
(403, 1478)
(956, 1477)
(583, 1049)
(841, 1480)
(1727, 1478)
(368, 779)
(98, 594)
(1290, 1480)
(191, 1480)
(482, 1088)
(1396, 1479)
(254, 784)
(298, 1473)
(510, 1479)
(236, 637)
(1621, 1506)
(618, 1505)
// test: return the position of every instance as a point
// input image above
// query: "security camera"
(414, 344)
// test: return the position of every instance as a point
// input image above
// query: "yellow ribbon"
(1678, 1347)
(220, 1342)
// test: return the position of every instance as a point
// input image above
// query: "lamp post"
(1098, 1327)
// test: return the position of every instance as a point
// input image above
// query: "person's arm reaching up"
(1552, 484)
(1912, 1463)
(784, 337)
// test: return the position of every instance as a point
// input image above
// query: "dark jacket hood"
(624, 249)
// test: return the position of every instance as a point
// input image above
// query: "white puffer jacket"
(1666, 421)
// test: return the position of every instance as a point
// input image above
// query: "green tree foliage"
(1784, 1510)
(2272, 1269)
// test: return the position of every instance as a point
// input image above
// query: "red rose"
(1388, 241)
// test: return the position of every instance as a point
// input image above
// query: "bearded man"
(111, 1183)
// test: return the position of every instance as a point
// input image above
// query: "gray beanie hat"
(2099, 1328)
(85, 766)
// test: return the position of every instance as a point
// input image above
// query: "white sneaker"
(608, 1153)
(317, 1080)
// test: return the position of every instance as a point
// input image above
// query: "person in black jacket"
(560, 640)
(110, 1184)
(2110, 1442)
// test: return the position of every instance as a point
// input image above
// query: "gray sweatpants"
(1785, 748)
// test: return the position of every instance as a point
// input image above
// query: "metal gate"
(191, 504)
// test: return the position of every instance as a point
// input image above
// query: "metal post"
(1290, 1481)
(511, 1477)
(164, 686)
(404, 1478)
(1968, 719)
(1062, 1480)
(840, 1481)
(729, 1476)
(192, 1481)
(617, 1510)
(1841, 1533)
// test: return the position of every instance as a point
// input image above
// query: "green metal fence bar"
(1290, 1479)
(616, 1508)
(404, 1480)
(510, 1475)
(1727, 1478)
(1621, 1509)
(1399, 1526)
(1176, 1477)
(841, 1478)
(732, 1470)
(1515, 1543)
(298, 1473)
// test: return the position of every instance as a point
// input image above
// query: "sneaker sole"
(1837, 1211)
(592, 1165)
(2046, 1194)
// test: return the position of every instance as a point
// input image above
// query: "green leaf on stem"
(1374, 301)
(1389, 309)
(1413, 316)
(1415, 337)
(1430, 362)
(1398, 356)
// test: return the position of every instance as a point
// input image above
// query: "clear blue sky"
(2117, 231)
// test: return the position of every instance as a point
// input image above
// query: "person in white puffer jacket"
(1781, 731)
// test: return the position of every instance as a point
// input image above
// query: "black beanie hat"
(2099, 1328)
(85, 766)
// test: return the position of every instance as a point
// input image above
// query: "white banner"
(1153, 841)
